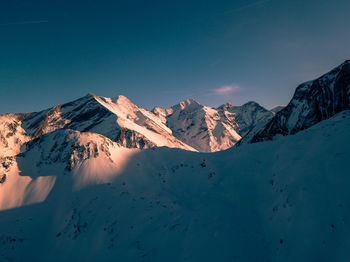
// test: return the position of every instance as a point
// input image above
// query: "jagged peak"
(188, 104)
(91, 94)
(88, 96)
(158, 110)
(225, 106)
(122, 100)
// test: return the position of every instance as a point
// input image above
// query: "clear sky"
(162, 52)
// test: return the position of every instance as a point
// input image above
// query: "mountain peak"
(346, 62)
(190, 101)
(251, 103)
(225, 106)
(123, 101)
(121, 98)
(188, 104)
(90, 94)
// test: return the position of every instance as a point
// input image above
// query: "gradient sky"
(162, 52)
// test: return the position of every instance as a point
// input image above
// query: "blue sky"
(162, 52)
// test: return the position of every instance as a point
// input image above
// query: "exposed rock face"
(312, 102)
(132, 139)
(84, 114)
(66, 147)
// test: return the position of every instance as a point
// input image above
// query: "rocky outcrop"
(312, 102)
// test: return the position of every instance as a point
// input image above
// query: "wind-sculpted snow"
(312, 102)
(284, 200)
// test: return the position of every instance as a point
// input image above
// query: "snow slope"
(284, 200)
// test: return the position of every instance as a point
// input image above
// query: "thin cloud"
(25, 22)
(249, 6)
(224, 90)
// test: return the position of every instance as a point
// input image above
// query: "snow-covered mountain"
(210, 129)
(312, 102)
(199, 126)
(247, 116)
(116, 118)
(79, 196)
(188, 125)
(76, 186)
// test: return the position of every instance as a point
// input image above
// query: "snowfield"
(79, 196)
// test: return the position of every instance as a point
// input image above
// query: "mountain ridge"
(132, 126)
(312, 102)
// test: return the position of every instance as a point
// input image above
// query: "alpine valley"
(102, 179)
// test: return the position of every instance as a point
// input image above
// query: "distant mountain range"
(187, 125)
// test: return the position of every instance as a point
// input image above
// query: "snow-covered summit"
(247, 116)
(201, 126)
(116, 118)
(187, 125)
(209, 129)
